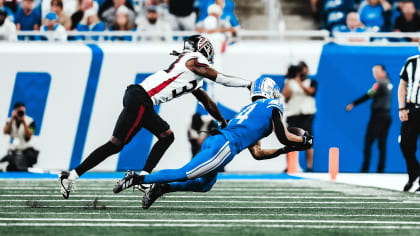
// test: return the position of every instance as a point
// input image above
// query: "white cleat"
(67, 185)
(145, 188)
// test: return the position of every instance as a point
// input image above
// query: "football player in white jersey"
(184, 75)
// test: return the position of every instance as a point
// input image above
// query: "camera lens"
(20, 113)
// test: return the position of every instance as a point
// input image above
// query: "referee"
(409, 112)
(380, 119)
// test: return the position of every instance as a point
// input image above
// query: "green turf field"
(278, 207)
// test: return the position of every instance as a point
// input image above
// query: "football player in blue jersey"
(254, 122)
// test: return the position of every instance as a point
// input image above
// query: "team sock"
(158, 149)
(97, 156)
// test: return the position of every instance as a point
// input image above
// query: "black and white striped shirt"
(411, 74)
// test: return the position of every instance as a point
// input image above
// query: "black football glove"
(307, 140)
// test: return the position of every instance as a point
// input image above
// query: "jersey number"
(185, 89)
(244, 114)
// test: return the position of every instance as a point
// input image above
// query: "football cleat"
(408, 186)
(155, 192)
(142, 187)
(125, 183)
(67, 185)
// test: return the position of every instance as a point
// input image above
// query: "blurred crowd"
(62, 16)
(368, 15)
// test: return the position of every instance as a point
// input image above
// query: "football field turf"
(232, 207)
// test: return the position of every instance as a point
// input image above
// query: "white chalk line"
(209, 214)
(222, 207)
(287, 189)
(209, 225)
(203, 196)
(216, 221)
(224, 201)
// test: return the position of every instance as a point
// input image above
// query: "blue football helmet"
(266, 88)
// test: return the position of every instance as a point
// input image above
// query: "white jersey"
(175, 81)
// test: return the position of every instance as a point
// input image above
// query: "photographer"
(299, 92)
(21, 154)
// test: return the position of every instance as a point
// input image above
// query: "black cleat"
(408, 186)
(125, 183)
(418, 190)
(66, 185)
(155, 192)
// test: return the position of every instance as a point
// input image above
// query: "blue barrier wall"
(344, 74)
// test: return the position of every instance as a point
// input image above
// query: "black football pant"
(378, 128)
(410, 131)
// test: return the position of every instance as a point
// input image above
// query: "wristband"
(403, 108)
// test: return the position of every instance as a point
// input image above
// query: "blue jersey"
(251, 124)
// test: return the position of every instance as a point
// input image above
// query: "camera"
(20, 113)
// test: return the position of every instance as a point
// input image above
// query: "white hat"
(122, 10)
(214, 9)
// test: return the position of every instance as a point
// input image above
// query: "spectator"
(153, 23)
(52, 25)
(409, 20)
(372, 14)
(353, 25)
(71, 6)
(228, 16)
(107, 4)
(182, 15)
(21, 154)
(84, 5)
(299, 92)
(122, 23)
(90, 22)
(109, 15)
(12, 5)
(396, 11)
(7, 28)
(62, 17)
(26, 18)
(199, 131)
(8, 11)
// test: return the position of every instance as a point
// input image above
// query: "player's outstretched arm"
(284, 136)
(210, 73)
(210, 106)
(264, 154)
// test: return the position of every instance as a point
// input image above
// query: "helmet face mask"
(266, 88)
(198, 43)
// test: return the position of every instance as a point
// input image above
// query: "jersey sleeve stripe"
(163, 85)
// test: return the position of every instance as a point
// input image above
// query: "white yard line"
(208, 225)
(218, 221)
(207, 214)
(213, 201)
(276, 189)
(224, 207)
(205, 196)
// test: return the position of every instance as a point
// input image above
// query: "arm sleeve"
(362, 99)
(279, 129)
(231, 81)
